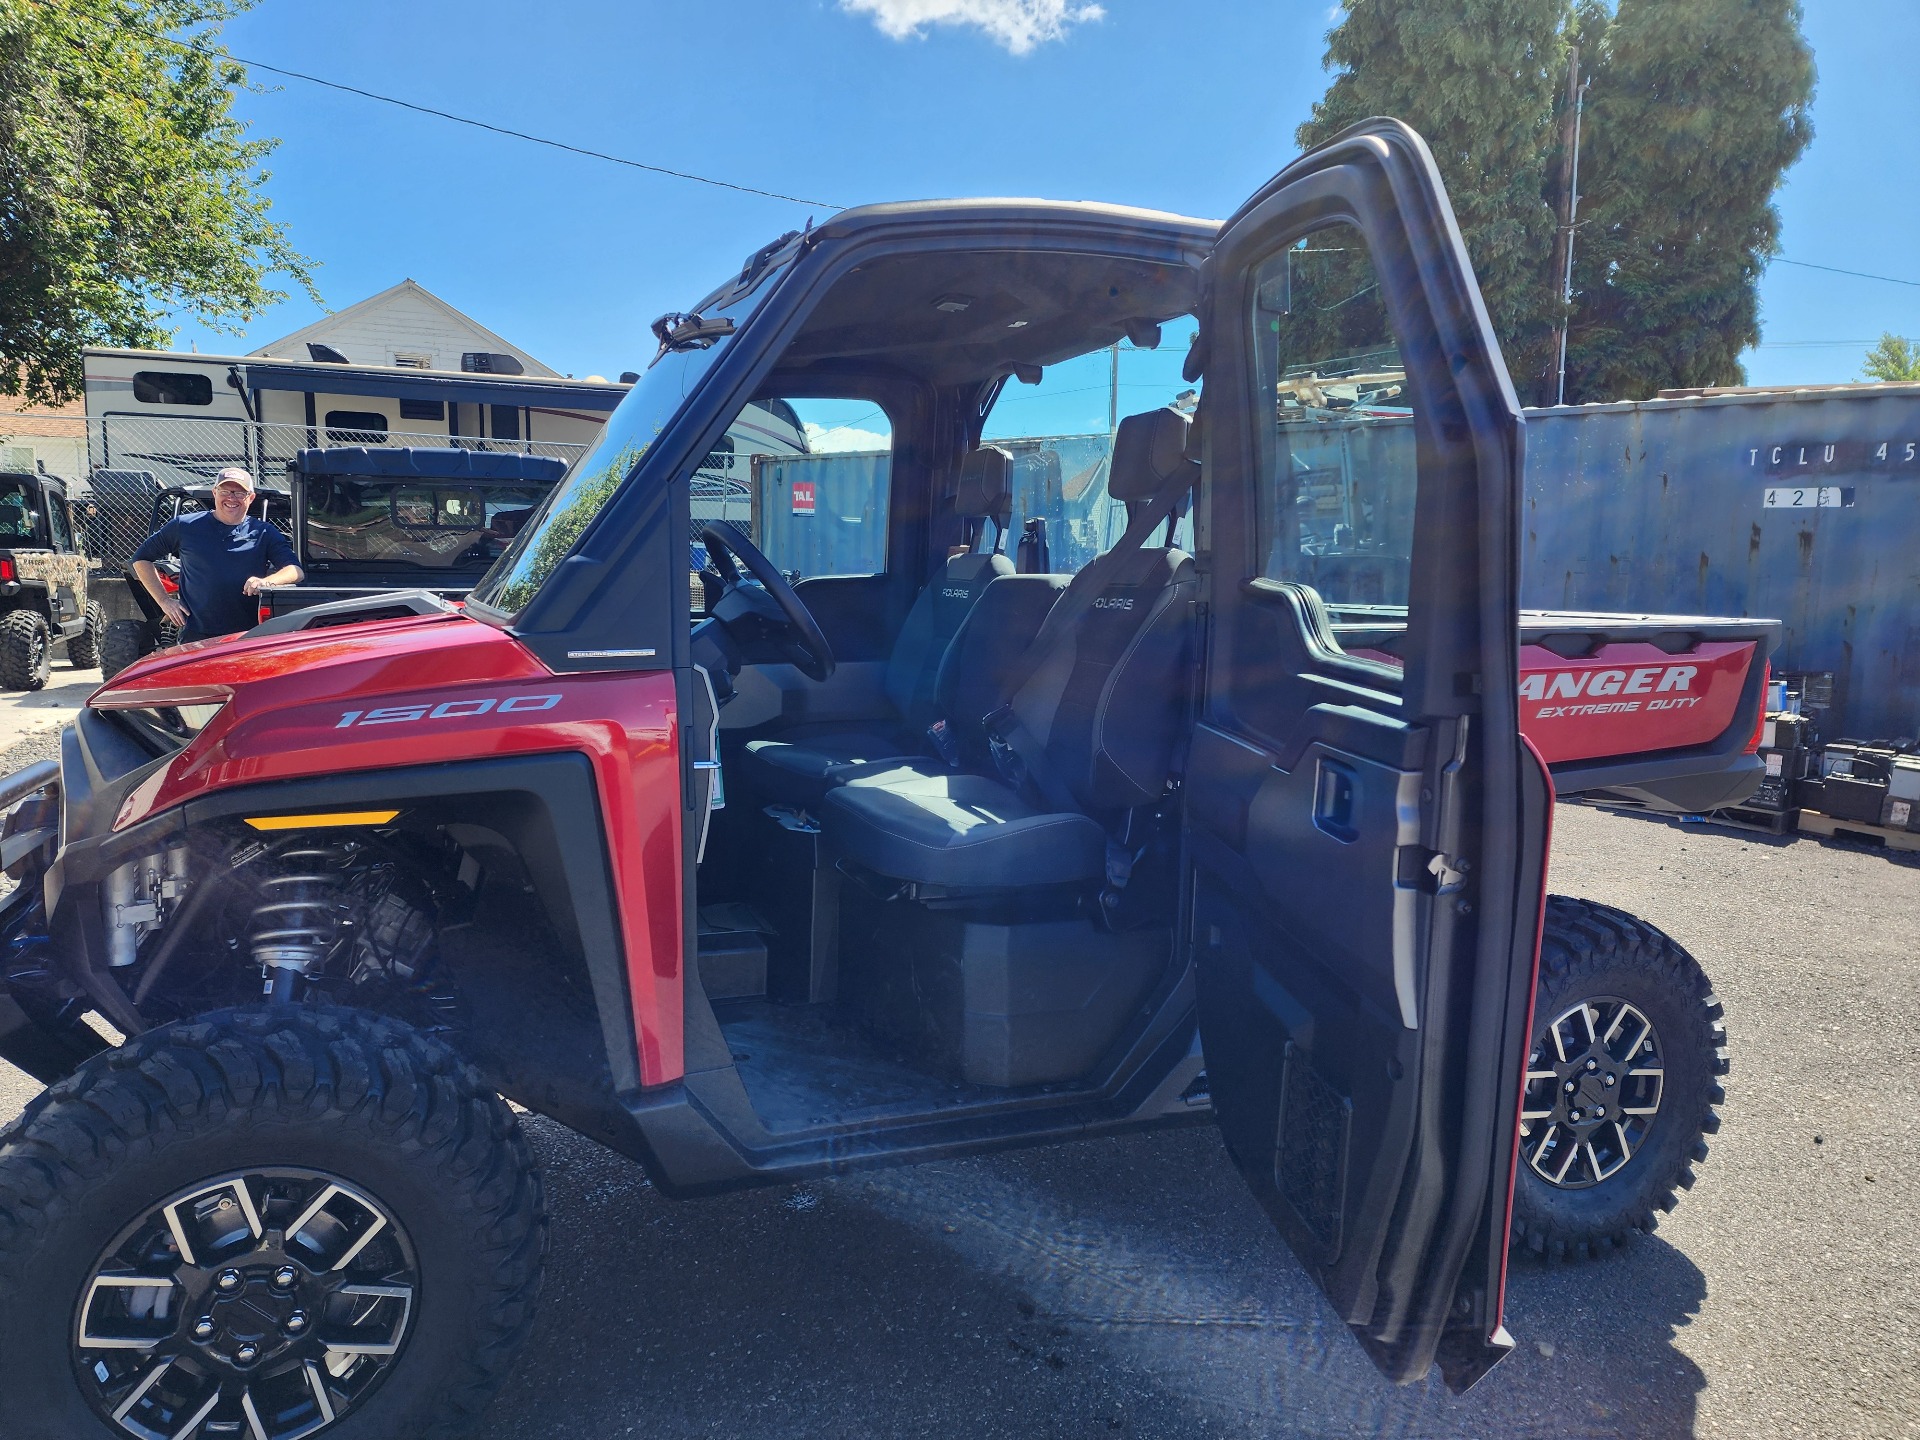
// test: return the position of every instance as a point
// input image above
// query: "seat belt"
(1017, 753)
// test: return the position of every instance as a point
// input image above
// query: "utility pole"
(1569, 212)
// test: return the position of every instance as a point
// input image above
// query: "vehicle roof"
(1016, 210)
(1047, 280)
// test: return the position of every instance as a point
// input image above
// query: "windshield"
(630, 431)
(433, 525)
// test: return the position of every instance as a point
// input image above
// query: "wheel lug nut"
(1593, 1064)
(1610, 1081)
(284, 1277)
(1600, 1112)
(1569, 1087)
(296, 1322)
(247, 1353)
(203, 1328)
(228, 1282)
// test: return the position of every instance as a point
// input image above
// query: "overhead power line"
(1836, 270)
(668, 171)
(486, 125)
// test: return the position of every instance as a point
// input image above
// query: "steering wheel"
(794, 630)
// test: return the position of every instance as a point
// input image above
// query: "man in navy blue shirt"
(227, 557)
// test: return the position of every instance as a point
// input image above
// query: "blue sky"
(1184, 107)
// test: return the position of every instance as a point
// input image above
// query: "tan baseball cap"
(234, 475)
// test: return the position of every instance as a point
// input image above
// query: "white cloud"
(835, 439)
(1017, 24)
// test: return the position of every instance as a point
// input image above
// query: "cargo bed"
(1662, 711)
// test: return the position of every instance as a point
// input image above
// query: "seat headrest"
(986, 486)
(1149, 454)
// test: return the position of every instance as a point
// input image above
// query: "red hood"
(342, 658)
(412, 690)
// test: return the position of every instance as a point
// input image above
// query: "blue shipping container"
(1800, 506)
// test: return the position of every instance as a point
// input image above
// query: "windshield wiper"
(677, 331)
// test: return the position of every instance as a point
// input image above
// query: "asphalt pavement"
(1130, 1287)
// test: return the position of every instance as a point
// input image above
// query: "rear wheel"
(1623, 1081)
(124, 642)
(83, 650)
(26, 650)
(266, 1223)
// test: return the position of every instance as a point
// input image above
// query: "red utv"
(1236, 822)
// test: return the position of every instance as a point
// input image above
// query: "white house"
(406, 326)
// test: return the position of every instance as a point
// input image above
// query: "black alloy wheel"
(1622, 1084)
(26, 650)
(265, 1224)
(265, 1305)
(1593, 1090)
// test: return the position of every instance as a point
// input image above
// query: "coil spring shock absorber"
(296, 926)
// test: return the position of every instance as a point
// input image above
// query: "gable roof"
(328, 325)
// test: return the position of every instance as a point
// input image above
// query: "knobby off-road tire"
(124, 642)
(83, 650)
(1606, 974)
(163, 1127)
(26, 650)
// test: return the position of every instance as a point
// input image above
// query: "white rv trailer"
(184, 416)
(157, 419)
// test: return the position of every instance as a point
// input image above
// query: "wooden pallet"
(1814, 823)
(1746, 817)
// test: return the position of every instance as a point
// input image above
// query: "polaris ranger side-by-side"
(1236, 822)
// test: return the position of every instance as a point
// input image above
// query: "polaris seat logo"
(957, 592)
(1114, 602)
(467, 709)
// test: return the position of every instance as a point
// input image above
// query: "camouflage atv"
(44, 602)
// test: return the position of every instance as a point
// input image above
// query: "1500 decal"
(465, 709)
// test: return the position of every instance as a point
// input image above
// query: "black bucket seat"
(1090, 731)
(800, 764)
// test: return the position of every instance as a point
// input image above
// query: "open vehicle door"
(1367, 831)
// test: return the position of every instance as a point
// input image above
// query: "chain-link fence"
(132, 460)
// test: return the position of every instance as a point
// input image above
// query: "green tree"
(1479, 79)
(1696, 110)
(1893, 358)
(129, 192)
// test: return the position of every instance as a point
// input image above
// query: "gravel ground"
(1130, 1287)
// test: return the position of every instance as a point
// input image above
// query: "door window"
(1337, 466)
(807, 480)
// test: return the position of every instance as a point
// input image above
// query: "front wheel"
(269, 1224)
(1622, 1084)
